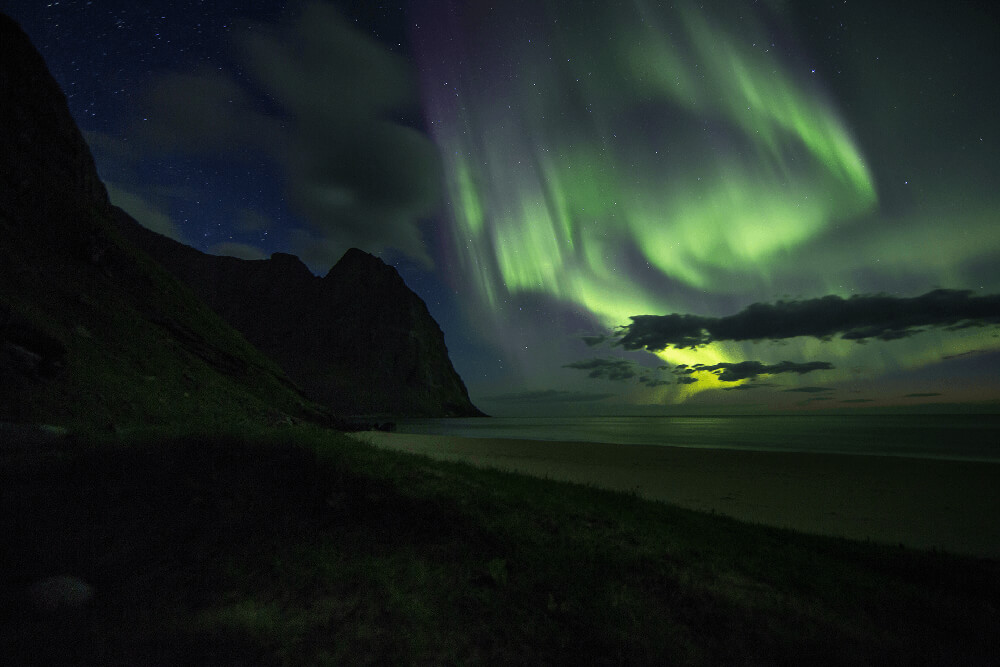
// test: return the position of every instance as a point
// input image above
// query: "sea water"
(957, 437)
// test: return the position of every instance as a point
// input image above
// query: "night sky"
(799, 202)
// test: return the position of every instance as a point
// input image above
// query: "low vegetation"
(118, 342)
(300, 546)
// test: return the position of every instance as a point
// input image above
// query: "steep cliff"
(358, 340)
(43, 153)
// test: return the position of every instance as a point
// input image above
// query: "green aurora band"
(696, 146)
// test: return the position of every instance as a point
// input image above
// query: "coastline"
(920, 503)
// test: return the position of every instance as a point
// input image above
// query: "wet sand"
(922, 503)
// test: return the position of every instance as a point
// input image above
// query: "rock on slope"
(92, 331)
(358, 340)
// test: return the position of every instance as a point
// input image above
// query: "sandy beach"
(923, 503)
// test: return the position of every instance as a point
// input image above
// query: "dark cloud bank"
(748, 370)
(857, 318)
(623, 369)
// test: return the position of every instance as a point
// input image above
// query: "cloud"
(747, 387)
(547, 396)
(810, 390)
(857, 318)
(857, 400)
(612, 369)
(593, 341)
(100, 142)
(145, 213)
(205, 112)
(250, 220)
(970, 353)
(624, 369)
(619, 370)
(355, 174)
(744, 370)
(240, 250)
(813, 399)
(922, 394)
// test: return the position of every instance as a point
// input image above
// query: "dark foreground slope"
(358, 340)
(93, 332)
(304, 548)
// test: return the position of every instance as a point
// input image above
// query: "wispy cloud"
(611, 369)
(355, 174)
(620, 370)
(146, 213)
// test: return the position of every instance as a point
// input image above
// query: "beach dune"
(921, 503)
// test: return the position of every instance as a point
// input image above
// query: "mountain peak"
(359, 262)
(357, 254)
(358, 340)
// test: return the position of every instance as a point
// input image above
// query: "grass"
(140, 348)
(300, 547)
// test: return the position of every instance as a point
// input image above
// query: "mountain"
(357, 340)
(93, 333)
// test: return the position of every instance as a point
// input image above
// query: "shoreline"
(944, 504)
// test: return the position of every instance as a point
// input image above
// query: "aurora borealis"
(637, 158)
(706, 154)
(598, 161)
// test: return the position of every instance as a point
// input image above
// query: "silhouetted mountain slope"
(92, 331)
(358, 340)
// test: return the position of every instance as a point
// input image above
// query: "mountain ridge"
(94, 333)
(357, 340)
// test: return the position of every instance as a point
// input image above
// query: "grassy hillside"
(120, 342)
(302, 547)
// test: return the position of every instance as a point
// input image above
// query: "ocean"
(955, 437)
